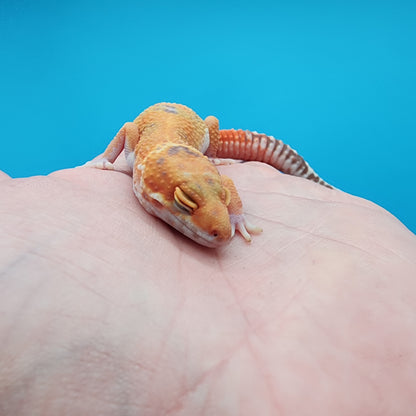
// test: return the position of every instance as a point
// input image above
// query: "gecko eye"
(183, 201)
(227, 196)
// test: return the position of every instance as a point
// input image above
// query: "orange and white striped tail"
(253, 146)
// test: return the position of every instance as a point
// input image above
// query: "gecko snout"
(220, 231)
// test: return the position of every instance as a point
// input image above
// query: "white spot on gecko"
(205, 141)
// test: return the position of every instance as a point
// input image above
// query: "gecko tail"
(253, 146)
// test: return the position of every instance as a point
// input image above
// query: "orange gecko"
(168, 149)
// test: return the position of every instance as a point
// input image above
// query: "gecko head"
(189, 195)
(202, 212)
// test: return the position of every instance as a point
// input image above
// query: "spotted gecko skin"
(168, 149)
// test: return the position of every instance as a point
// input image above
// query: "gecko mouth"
(205, 239)
(191, 231)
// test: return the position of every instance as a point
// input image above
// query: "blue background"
(335, 80)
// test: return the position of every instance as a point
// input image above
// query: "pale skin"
(106, 310)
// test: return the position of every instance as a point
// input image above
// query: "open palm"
(106, 310)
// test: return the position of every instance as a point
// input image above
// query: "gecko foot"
(99, 164)
(224, 161)
(244, 227)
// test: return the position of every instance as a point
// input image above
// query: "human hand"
(106, 310)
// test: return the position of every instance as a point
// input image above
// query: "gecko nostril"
(214, 233)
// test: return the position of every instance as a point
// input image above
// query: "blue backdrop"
(336, 80)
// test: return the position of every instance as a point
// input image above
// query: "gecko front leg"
(127, 139)
(235, 211)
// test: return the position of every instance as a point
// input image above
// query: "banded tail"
(253, 146)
